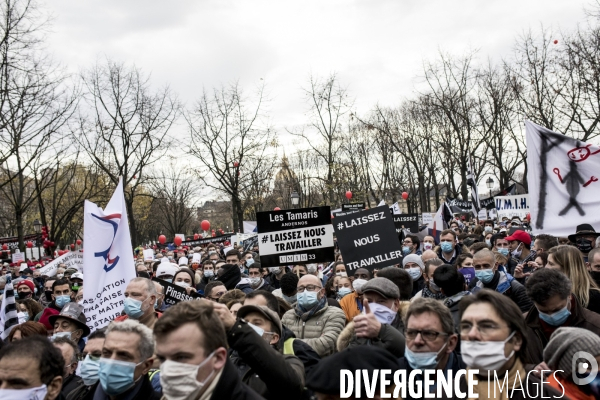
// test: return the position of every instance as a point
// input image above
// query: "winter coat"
(349, 305)
(289, 345)
(452, 303)
(388, 338)
(320, 331)
(504, 283)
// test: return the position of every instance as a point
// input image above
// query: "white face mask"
(485, 356)
(274, 270)
(37, 393)
(427, 246)
(344, 274)
(383, 314)
(179, 381)
(255, 281)
(183, 284)
(209, 273)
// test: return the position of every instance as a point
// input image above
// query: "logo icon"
(580, 367)
(109, 263)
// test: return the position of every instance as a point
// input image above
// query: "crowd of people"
(485, 296)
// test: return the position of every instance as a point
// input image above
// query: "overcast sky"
(376, 46)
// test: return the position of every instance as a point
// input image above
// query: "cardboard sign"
(368, 239)
(427, 218)
(18, 257)
(289, 236)
(174, 294)
(510, 206)
(353, 206)
(406, 221)
(148, 255)
(482, 215)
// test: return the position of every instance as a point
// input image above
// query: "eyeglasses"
(428, 336)
(93, 357)
(485, 328)
(407, 242)
(310, 288)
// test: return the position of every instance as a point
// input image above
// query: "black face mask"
(595, 276)
(48, 294)
(24, 295)
(584, 245)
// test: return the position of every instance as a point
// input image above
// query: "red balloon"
(29, 244)
(177, 240)
(78, 242)
(196, 236)
(348, 195)
(277, 209)
(4, 247)
(72, 246)
(162, 239)
(555, 41)
(205, 225)
(404, 195)
(214, 234)
(236, 164)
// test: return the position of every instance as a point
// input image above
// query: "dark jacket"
(71, 383)
(83, 392)
(594, 304)
(514, 290)
(143, 391)
(231, 387)
(273, 281)
(458, 250)
(452, 303)
(537, 337)
(202, 284)
(454, 364)
(298, 348)
(269, 372)
(390, 338)
(418, 285)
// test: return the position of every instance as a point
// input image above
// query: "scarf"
(483, 384)
(306, 315)
(429, 294)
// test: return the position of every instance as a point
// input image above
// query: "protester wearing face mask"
(413, 264)
(140, 298)
(313, 320)
(252, 337)
(31, 368)
(127, 356)
(340, 269)
(206, 372)
(430, 288)
(71, 324)
(519, 243)
(255, 275)
(500, 244)
(380, 323)
(25, 289)
(428, 243)
(584, 238)
(185, 278)
(70, 354)
(411, 245)
(593, 265)
(448, 250)
(350, 301)
(275, 275)
(208, 274)
(568, 260)
(289, 282)
(61, 295)
(166, 270)
(89, 366)
(559, 355)
(489, 276)
(430, 341)
(488, 226)
(555, 306)
(493, 338)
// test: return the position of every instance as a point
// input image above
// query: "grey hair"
(68, 342)
(150, 288)
(423, 305)
(146, 344)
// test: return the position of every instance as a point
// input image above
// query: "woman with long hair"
(569, 261)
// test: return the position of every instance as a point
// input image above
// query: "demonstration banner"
(174, 294)
(510, 206)
(13, 241)
(459, 206)
(563, 175)
(368, 239)
(109, 265)
(406, 221)
(354, 206)
(73, 259)
(289, 236)
(217, 239)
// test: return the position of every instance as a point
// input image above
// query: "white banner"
(108, 259)
(249, 226)
(73, 259)
(562, 174)
(510, 206)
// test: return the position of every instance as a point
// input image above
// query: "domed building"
(286, 182)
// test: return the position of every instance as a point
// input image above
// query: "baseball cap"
(521, 236)
(382, 286)
(264, 311)
(77, 275)
(166, 268)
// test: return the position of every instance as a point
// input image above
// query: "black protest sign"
(368, 239)
(406, 221)
(220, 239)
(353, 206)
(292, 236)
(174, 294)
(251, 243)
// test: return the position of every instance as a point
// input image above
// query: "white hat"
(197, 258)
(357, 284)
(183, 261)
(23, 267)
(166, 269)
(77, 275)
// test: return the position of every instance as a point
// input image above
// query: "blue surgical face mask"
(209, 273)
(503, 251)
(556, 319)
(290, 299)
(116, 376)
(405, 250)
(423, 361)
(488, 229)
(446, 247)
(415, 273)
(249, 262)
(307, 300)
(516, 253)
(62, 300)
(133, 308)
(343, 291)
(89, 371)
(485, 275)
(170, 280)
(488, 242)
